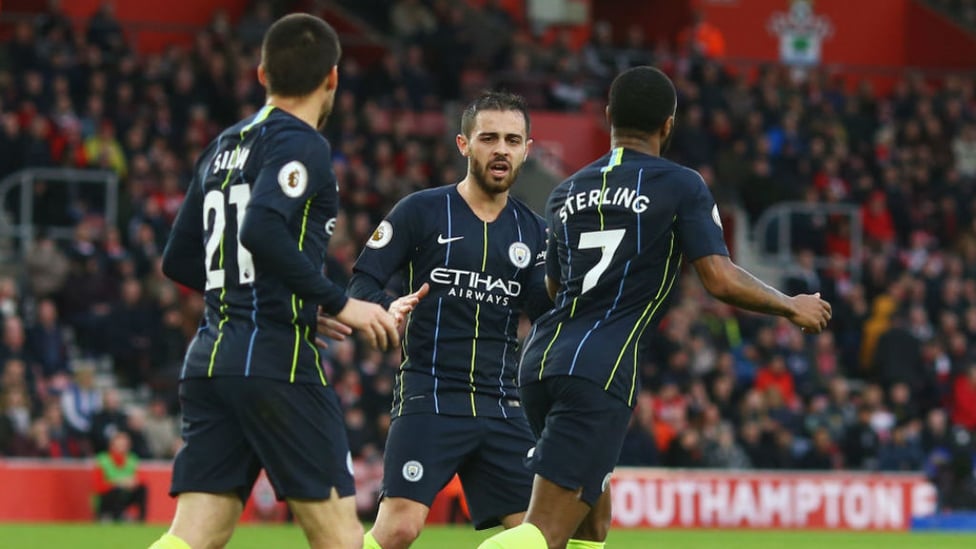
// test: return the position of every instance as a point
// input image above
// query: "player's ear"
(528, 147)
(668, 127)
(462, 144)
(332, 79)
(607, 114)
(262, 76)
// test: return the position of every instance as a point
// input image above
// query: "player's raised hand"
(810, 313)
(405, 304)
(329, 327)
(375, 323)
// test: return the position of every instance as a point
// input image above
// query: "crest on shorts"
(381, 236)
(519, 254)
(413, 471)
(293, 179)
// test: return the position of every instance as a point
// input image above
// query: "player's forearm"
(366, 287)
(183, 259)
(275, 252)
(745, 291)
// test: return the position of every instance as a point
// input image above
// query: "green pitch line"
(97, 536)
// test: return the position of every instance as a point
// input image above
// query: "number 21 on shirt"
(215, 202)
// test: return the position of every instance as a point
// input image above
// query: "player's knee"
(593, 529)
(220, 538)
(556, 540)
(404, 531)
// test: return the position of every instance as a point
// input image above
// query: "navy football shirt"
(254, 324)
(460, 347)
(617, 232)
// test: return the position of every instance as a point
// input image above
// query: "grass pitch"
(94, 536)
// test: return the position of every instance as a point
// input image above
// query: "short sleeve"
(537, 300)
(296, 166)
(699, 223)
(552, 222)
(391, 243)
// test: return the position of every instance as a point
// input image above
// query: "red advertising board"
(38, 490)
(652, 498)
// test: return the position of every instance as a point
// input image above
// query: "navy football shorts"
(234, 426)
(424, 451)
(581, 430)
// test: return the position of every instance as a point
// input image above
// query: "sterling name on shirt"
(616, 196)
(477, 286)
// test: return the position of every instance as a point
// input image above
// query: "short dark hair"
(641, 100)
(493, 101)
(298, 52)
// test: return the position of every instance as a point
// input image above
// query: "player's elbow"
(717, 276)
(719, 289)
(254, 234)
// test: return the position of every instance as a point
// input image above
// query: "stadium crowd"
(891, 386)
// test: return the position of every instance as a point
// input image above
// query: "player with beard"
(618, 231)
(252, 235)
(456, 408)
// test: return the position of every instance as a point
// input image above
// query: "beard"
(325, 111)
(488, 182)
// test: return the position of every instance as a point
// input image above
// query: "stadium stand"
(890, 386)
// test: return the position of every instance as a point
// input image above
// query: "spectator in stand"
(877, 221)
(105, 31)
(119, 484)
(130, 324)
(45, 339)
(109, 420)
(162, 430)
(861, 443)
(724, 452)
(15, 421)
(963, 404)
(823, 454)
(703, 39)
(47, 267)
(81, 400)
(412, 21)
(774, 375)
(640, 447)
(902, 452)
(135, 427)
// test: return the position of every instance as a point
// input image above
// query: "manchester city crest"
(519, 254)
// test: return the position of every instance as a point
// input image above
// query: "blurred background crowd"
(93, 335)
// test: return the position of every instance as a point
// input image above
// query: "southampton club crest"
(519, 254)
(801, 33)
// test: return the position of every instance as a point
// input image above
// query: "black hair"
(641, 100)
(493, 101)
(298, 52)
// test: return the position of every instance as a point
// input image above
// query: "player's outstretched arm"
(734, 285)
(265, 234)
(367, 287)
(402, 306)
(375, 323)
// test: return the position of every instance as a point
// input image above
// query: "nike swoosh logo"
(442, 240)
